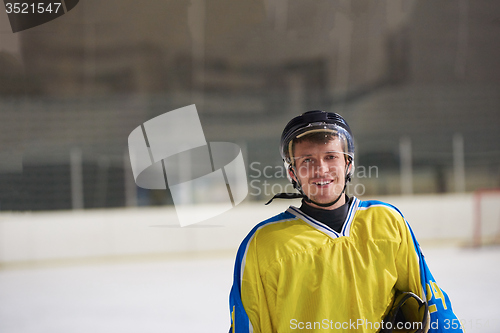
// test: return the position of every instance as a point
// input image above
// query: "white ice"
(191, 295)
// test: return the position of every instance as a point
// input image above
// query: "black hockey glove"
(409, 314)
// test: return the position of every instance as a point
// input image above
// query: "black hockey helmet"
(316, 121)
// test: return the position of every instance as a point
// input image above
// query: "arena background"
(82, 247)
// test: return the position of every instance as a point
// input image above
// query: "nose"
(322, 167)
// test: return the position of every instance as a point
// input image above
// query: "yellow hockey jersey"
(293, 273)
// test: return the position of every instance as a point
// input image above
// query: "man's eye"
(331, 157)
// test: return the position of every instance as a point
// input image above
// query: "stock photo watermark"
(28, 14)
(358, 324)
(206, 179)
(263, 179)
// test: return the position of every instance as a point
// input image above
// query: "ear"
(350, 167)
(350, 170)
(291, 174)
(293, 179)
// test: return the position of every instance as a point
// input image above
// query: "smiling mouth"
(323, 182)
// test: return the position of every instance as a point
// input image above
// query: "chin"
(324, 200)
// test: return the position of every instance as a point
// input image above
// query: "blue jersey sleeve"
(443, 319)
(240, 323)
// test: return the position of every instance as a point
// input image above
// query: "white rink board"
(34, 237)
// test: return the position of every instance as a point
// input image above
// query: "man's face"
(321, 169)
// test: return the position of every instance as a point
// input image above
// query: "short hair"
(322, 137)
(316, 137)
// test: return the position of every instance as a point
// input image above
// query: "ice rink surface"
(191, 295)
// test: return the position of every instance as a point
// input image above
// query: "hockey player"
(336, 263)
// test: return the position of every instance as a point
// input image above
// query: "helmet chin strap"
(298, 186)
